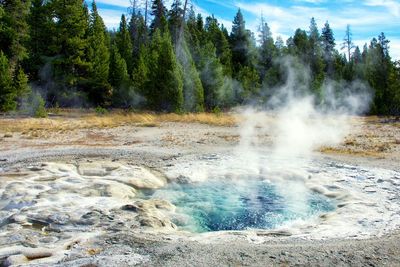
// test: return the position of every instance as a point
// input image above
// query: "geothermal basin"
(53, 204)
(163, 203)
(220, 204)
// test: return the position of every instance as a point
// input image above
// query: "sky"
(367, 18)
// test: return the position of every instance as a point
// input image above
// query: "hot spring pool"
(198, 194)
(223, 204)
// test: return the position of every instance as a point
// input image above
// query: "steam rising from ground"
(298, 122)
(303, 120)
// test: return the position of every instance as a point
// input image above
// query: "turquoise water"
(217, 205)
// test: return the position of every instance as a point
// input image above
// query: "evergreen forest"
(59, 53)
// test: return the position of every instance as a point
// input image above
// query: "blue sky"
(367, 18)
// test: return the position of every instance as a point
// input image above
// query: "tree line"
(172, 60)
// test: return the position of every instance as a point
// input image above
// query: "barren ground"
(150, 140)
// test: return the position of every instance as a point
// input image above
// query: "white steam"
(298, 121)
(279, 139)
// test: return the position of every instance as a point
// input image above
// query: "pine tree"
(141, 72)
(313, 33)
(316, 59)
(314, 41)
(221, 43)
(14, 36)
(240, 42)
(165, 83)
(118, 75)
(99, 59)
(328, 41)
(70, 65)
(20, 84)
(359, 66)
(364, 53)
(2, 23)
(273, 78)
(249, 79)
(175, 17)
(124, 44)
(7, 93)
(243, 57)
(159, 13)
(138, 31)
(357, 56)
(16, 33)
(267, 50)
(194, 35)
(192, 87)
(394, 89)
(193, 91)
(384, 45)
(328, 47)
(378, 69)
(377, 74)
(119, 79)
(41, 37)
(212, 76)
(301, 45)
(199, 23)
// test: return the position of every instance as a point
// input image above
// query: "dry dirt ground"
(150, 139)
(370, 137)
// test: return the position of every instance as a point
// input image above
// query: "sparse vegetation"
(40, 109)
(70, 120)
(101, 111)
(369, 140)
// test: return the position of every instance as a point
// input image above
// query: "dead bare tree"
(348, 42)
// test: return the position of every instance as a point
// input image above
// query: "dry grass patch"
(204, 118)
(90, 120)
(348, 151)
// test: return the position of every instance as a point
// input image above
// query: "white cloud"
(365, 22)
(111, 18)
(119, 3)
(392, 6)
(395, 48)
(312, 1)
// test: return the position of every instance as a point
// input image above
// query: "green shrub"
(217, 111)
(34, 105)
(40, 109)
(101, 111)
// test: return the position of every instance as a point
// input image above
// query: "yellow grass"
(75, 120)
(348, 151)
